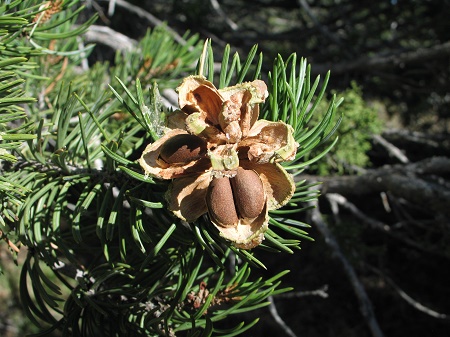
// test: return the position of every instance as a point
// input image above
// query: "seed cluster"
(231, 199)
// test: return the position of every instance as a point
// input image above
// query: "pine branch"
(119, 259)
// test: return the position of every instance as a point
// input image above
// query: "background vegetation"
(381, 226)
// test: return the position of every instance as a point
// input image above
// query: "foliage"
(73, 195)
(158, 56)
(360, 123)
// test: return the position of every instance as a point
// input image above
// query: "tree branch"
(337, 199)
(154, 21)
(325, 31)
(414, 303)
(392, 149)
(401, 180)
(274, 312)
(321, 292)
(428, 143)
(216, 6)
(379, 62)
(109, 37)
(365, 304)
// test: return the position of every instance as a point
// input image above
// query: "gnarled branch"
(411, 182)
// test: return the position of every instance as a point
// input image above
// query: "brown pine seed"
(220, 203)
(182, 149)
(248, 191)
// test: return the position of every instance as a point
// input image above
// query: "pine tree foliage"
(105, 255)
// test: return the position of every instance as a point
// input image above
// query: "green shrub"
(360, 122)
